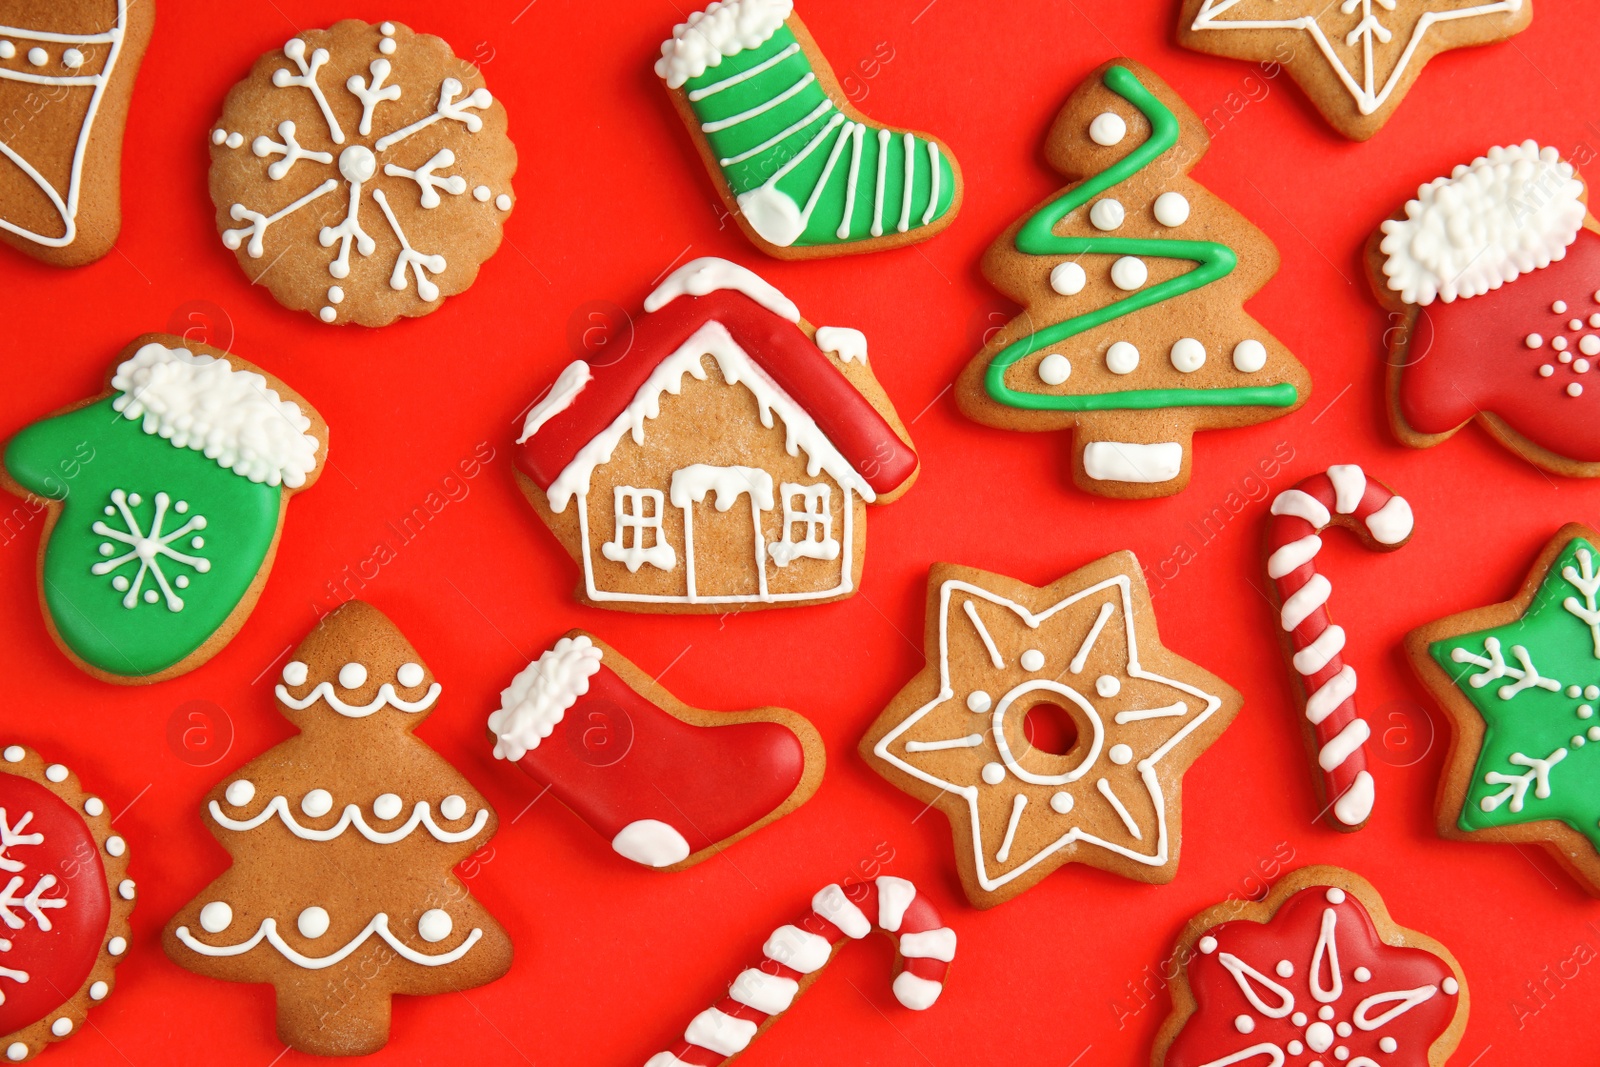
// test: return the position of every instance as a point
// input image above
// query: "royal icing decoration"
(1314, 983)
(64, 898)
(374, 157)
(805, 169)
(289, 810)
(768, 987)
(637, 543)
(1070, 363)
(1344, 496)
(1373, 49)
(1533, 682)
(170, 491)
(959, 733)
(665, 783)
(1500, 256)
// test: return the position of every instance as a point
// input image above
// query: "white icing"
(453, 807)
(1129, 273)
(317, 803)
(1188, 355)
(388, 807)
(1107, 214)
(692, 484)
(1171, 209)
(831, 903)
(313, 922)
(569, 383)
(409, 675)
(723, 29)
(232, 416)
(295, 673)
(849, 345)
(1249, 356)
(895, 895)
(216, 917)
(797, 949)
(1509, 212)
(1054, 369)
(1122, 358)
(540, 694)
(1068, 278)
(352, 676)
(937, 944)
(1032, 660)
(1391, 523)
(651, 842)
(386, 695)
(1121, 461)
(434, 925)
(1355, 807)
(915, 992)
(709, 274)
(724, 1034)
(379, 925)
(1107, 129)
(351, 816)
(766, 993)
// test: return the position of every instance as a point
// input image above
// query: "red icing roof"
(778, 346)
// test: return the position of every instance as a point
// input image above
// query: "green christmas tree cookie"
(165, 495)
(1521, 682)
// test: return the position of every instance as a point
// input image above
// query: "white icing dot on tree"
(317, 803)
(1188, 355)
(503, 202)
(61, 1027)
(435, 925)
(1054, 369)
(94, 807)
(327, 314)
(352, 676)
(481, 194)
(8, 50)
(1171, 209)
(1068, 279)
(453, 807)
(1249, 356)
(1122, 358)
(1107, 129)
(38, 56)
(313, 922)
(98, 991)
(56, 772)
(116, 846)
(1129, 273)
(16, 1051)
(294, 673)
(14, 753)
(387, 806)
(72, 59)
(1106, 214)
(215, 917)
(409, 675)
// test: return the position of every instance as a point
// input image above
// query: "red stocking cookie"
(666, 783)
(65, 899)
(1336, 735)
(1317, 973)
(795, 953)
(1493, 278)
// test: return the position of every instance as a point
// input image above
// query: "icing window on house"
(807, 507)
(639, 538)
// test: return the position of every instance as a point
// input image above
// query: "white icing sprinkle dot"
(1594, 733)
(1580, 366)
(1249, 356)
(94, 807)
(1585, 711)
(14, 753)
(1171, 209)
(993, 773)
(1244, 1024)
(126, 889)
(1575, 324)
(1325, 1013)
(1054, 369)
(218, 136)
(452, 807)
(1121, 755)
(1589, 344)
(1591, 692)
(335, 295)
(352, 676)
(313, 922)
(7, 50)
(215, 917)
(1559, 307)
(387, 806)
(1545, 370)
(386, 46)
(1122, 358)
(1061, 803)
(1107, 214)
(978, 701)
(16, 1050)
(1344, 1030)
(503, 202)
(117, 946)
(1388, 1044)
(98, 991)
(294, 673)
(409, 675)
(1565, 357)
(1363, 974)
(1594, 320)
(116, 846)
(1208, 945)
(1107, 685)
(1533, 340)
(1068, 279)
(1298, 1018)
(1188, 354)
(1285, 969)
(38, 56)
(1107, 129)
(1032, 659)
(240, 793)
(61, 1027)
(317, 803)
(327, 314)
(1335, 895)
(1578, 741)
(435, 925)
(1450, 986)
(1129, 273)
(1574, 390)
(387, 29)
(235, 139)
(481, 194)
(72, 59)
(56, 772)
(1559, 344)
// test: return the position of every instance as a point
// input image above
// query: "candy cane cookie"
(795, 954)
(1341, 496)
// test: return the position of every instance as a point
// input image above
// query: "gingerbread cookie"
(65, 898)
(1335, 734)
(667, 784)
(166, 495)
(768, 511)
(803, 172)
(66, 76)
(342, 892)
(1050, 726)
(1134, 335)
(795, 954)
(1517, 681)
(1316, 973)
(1356, 59)
(1492, 279)
(362, 119)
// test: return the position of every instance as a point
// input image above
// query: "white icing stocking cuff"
(540, 694)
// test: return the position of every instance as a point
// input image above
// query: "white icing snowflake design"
(144, 550)
(32, 903)
(357, 165)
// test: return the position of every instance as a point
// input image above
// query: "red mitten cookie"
(667, 784)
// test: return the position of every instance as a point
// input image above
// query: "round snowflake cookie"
(362, 173)
(65, 898)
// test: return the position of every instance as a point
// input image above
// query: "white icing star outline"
(1369, 97)
(970, 791)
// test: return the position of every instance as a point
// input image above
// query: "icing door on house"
(723, 546)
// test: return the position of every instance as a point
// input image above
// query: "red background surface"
(613, 960)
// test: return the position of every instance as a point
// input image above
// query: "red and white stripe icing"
(924, 949)
(1300, 515)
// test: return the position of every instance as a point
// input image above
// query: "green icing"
(799, 120)
(240, 522)
(1542, 728)
(1214, 261)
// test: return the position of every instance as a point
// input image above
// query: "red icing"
(57, 961)
(1471, 355)
(616, 758)
(1212, 1035)
(802, 370)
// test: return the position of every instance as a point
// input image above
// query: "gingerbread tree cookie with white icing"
(362, 173)
(65, 899)
(1134, 279)
(344, 838)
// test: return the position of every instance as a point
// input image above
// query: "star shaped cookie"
(1356, 59)
(1521, 683)
(1050, 726)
